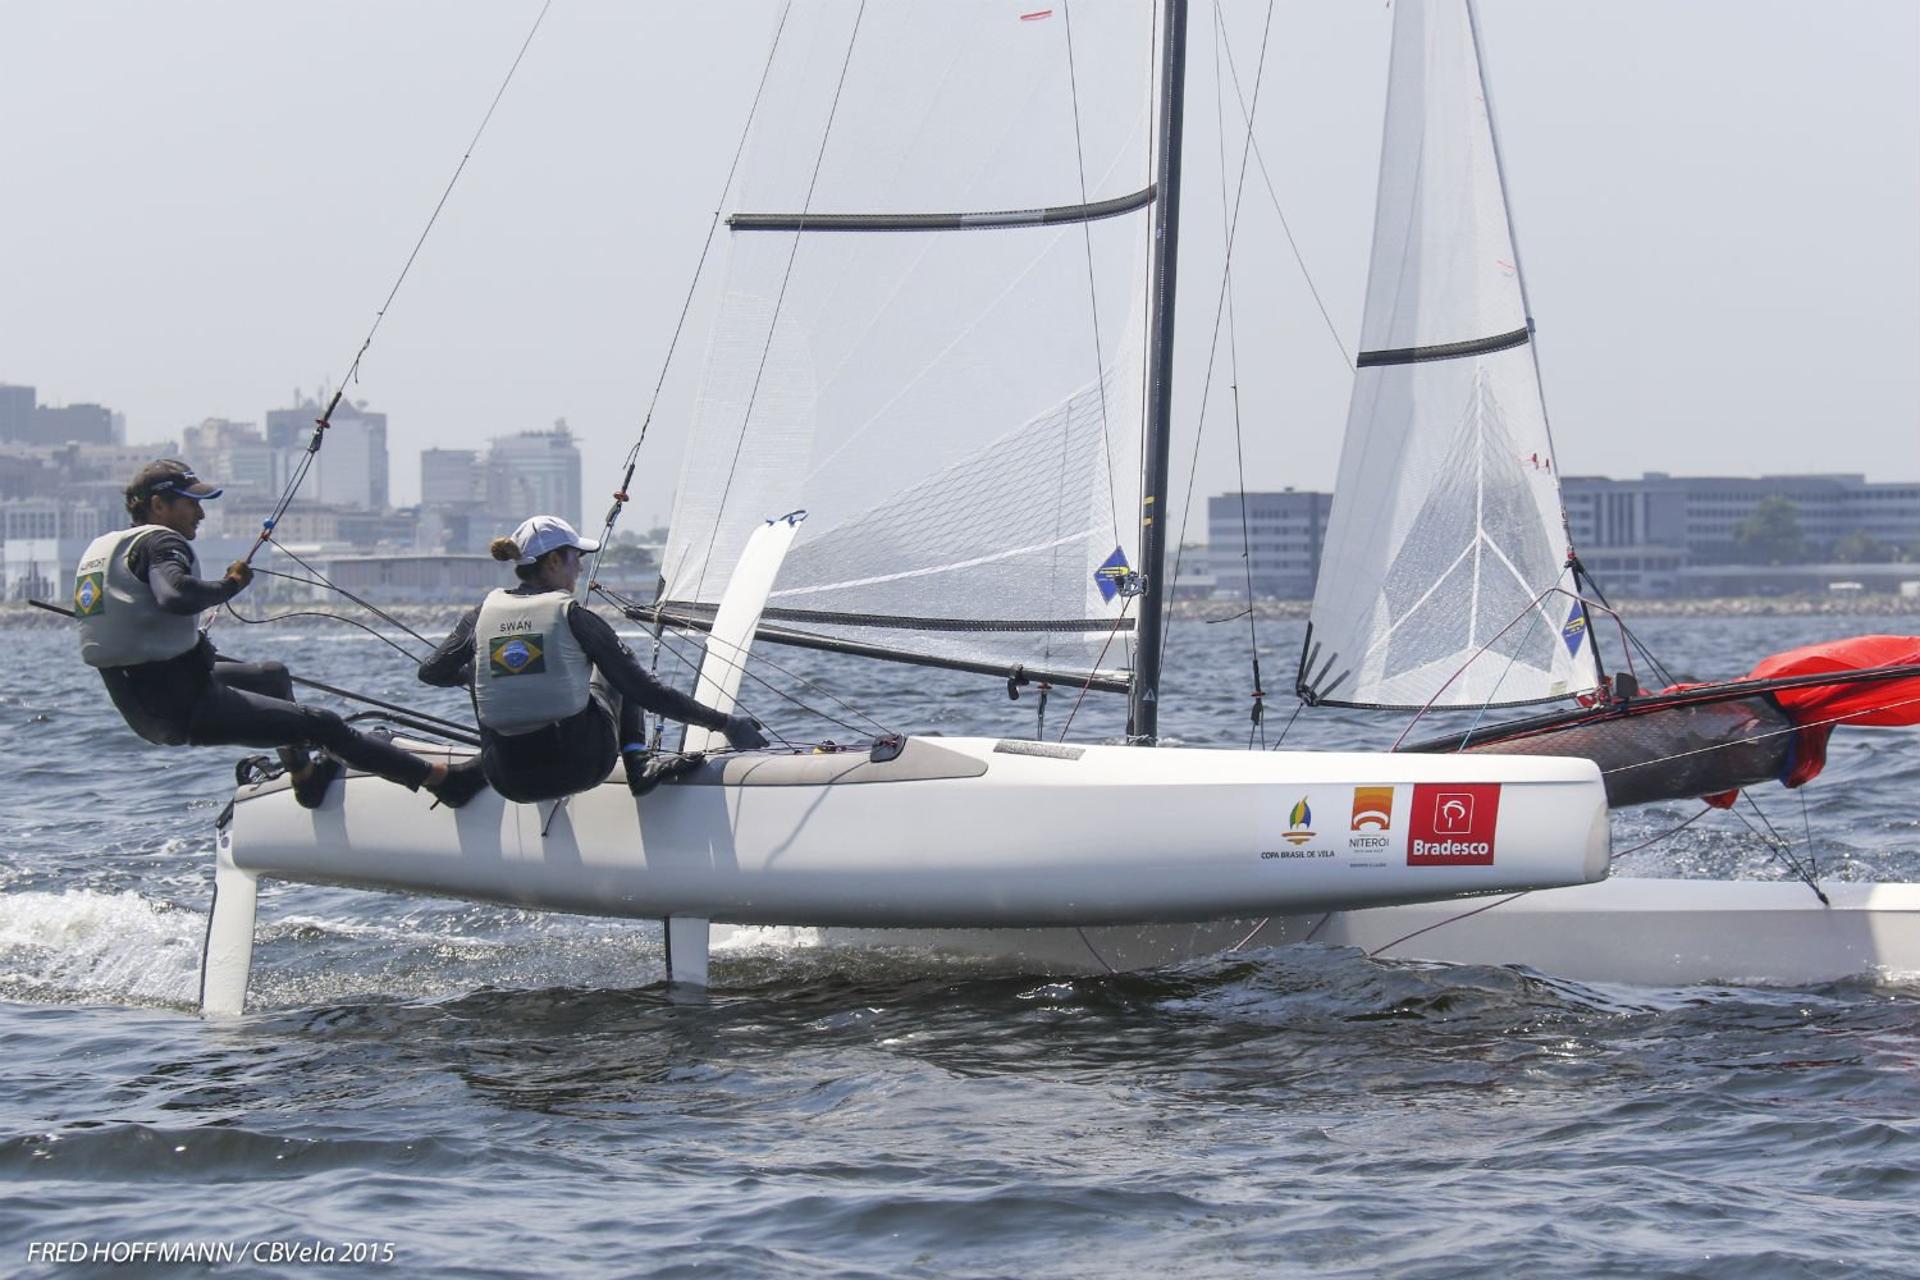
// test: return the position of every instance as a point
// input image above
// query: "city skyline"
(1748, 287)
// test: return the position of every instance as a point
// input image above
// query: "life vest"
(121, 625)
(528, 670)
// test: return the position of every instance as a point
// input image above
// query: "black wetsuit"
(204, 700)
(578, 752)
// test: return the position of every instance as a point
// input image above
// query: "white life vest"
(121, 625)
(528, 670)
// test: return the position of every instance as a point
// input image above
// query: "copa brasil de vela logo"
(1452, 824)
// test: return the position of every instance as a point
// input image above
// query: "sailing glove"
(743, 733)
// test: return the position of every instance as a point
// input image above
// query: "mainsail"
(931, 337)
(1445, 580)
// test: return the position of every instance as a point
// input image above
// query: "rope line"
(661, 642)
(1220, 304)
(1093, 294)
(786, 278)
(331, 585)
(686, 304)
(1257, 730)
(1125, 604)
(1286, 228)
(353, 369)
(1665, 835)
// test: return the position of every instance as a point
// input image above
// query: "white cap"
(540, 534)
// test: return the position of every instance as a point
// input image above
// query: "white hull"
(964, 832)
(1647, 932)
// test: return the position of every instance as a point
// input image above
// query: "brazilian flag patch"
(90, 594)
(524, 655)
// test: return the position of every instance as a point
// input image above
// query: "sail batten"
(1050, 215)
(1447, 545)
(1443, 350)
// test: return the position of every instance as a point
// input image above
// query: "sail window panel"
(1444, 533)
(950, 384)
(1446, 548)
(1007, 539)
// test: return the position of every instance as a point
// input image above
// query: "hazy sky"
(202, 205)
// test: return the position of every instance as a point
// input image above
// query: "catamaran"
(946, 334)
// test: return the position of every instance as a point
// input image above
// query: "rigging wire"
(1125, 604)
(1093, 293)
(627, 608)
(1257, 729)
(1299, 705)
(773, 322)
(1409, 937)
(1779, 846)
(1213, 351)
(331, 585)
(1285, 227)
(321, 423)
(1099, 379)
(686, 305)
(1498, 902)
(1668, 834)
(377, 634)
(237, 616)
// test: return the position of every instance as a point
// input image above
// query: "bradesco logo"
(1453, 824)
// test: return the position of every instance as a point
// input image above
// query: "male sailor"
(138, 597)
(549, 725)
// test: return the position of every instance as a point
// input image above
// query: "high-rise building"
(451, 478)
(77, 424)
(23, 420)
(235, 456)
(534, 473)
(1280, 535)
(16, 413)
(350, 470)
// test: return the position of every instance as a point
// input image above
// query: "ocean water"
(430, 1087)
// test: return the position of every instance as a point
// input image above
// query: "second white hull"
(1646, 932)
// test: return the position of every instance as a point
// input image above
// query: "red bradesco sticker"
(1453, 824)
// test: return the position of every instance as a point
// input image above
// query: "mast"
(1143, 700)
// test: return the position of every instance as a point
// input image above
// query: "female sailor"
(138, 598)
(540, 666)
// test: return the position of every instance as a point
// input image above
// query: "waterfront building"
(451, 478)
(16, 413)
(1282, 536)
(533, 473)
(1659, 535)
(237, 457)
(351, 469)
(23, 420)
(414, 577)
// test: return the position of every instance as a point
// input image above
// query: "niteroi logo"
(1372, 809)
(1299, 823)
(1453, 824)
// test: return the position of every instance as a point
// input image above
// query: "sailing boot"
(633, 760)
(464, 781)
(645, 771)
(310, 785)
